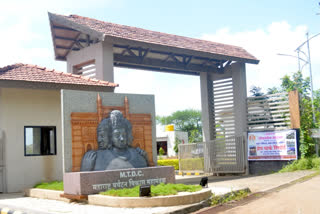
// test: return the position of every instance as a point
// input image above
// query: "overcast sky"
(263, 28)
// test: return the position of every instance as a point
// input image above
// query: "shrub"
(169, 162)
(232, 196)
(316, 163)
(161, 151)
(302, 164)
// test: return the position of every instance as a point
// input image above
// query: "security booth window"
(39, 140)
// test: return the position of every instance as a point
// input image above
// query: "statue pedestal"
(93, 182)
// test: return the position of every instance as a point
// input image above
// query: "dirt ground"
(300, 198)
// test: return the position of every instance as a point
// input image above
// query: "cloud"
(172, 91)
(265, 44)
(33, 8)
(176, 92)
(14, 43)
(25, 37)
(25, 33)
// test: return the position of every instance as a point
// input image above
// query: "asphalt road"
(299, 198)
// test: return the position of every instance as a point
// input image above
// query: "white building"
(167, 140)
(30, 123)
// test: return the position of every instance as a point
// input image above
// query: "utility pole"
(311, 82)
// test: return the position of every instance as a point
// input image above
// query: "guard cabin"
(93, 48)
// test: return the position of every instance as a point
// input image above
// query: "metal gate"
(191, 157)
(225, 155)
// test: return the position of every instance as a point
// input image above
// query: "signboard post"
(272, 145)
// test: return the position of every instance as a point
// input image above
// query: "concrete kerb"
(159, 201)
(46, 194)
(197, 206)
(189, 173)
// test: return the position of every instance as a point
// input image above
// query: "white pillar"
(101, 52)
(206, 87)
(240, 97)
(106, 69)
(240, 107)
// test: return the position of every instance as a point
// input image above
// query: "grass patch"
(232, 196)
(55, 185)
(161, 189)
(302, 164)
(125, 192)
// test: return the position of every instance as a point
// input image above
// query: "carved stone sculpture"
(114, 136)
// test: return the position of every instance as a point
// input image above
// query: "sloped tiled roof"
(34, 73)
(158, 38)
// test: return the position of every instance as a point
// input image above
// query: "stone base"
(86, 183)
(75, 197)
(265, 167)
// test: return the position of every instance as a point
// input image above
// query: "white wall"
(28, 107)
(101, 52)
(170, 137)
(2, 169)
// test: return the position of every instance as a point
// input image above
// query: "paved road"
(299, 198)
(254, 183)
(219, 185)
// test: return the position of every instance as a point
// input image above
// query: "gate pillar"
(240, 97)
(240, 110)
(206, 88)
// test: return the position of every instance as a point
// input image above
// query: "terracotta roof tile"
(148, 36)
(34, 73)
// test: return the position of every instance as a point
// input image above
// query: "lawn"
(55, 185)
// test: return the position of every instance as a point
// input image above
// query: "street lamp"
(298, 50)
(308, 61)
(297, 57)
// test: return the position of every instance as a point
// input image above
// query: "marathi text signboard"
(273, 145)
(93, 182)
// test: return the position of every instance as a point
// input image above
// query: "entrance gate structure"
(93, 48)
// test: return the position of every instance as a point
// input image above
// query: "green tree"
(176, 145)
(161, 151)
(302, 85)
(188, 120)
(274, 90)
(297, 82)
(256, 91)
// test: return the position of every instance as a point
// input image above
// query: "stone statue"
(115, 151)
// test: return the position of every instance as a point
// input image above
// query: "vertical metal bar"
(299, 67)
(179, 156)
(245, 149)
